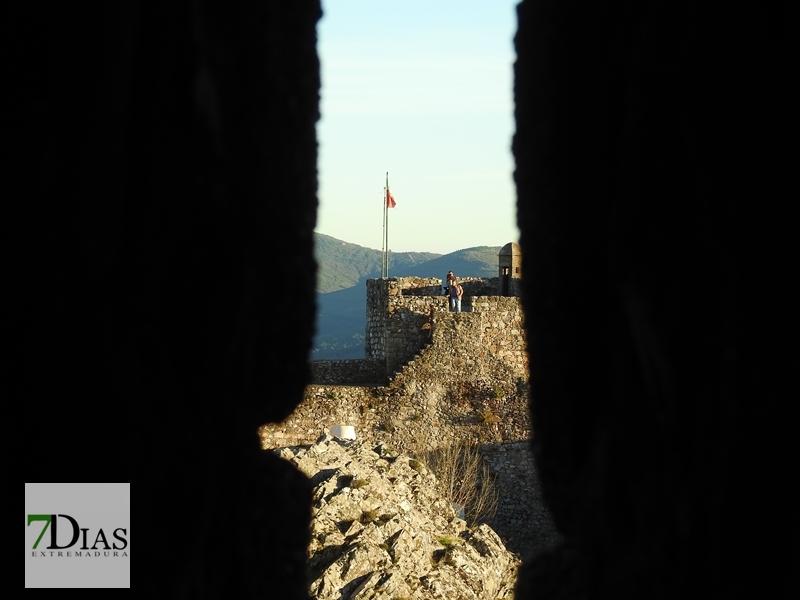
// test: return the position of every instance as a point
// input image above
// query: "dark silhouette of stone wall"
(649, 163)
(170, 157)
(173, 153)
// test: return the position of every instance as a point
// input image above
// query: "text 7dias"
(101, 537)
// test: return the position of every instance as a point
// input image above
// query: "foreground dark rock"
(381, 529)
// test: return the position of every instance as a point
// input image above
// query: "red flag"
(390, 199)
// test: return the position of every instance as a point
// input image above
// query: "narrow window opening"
(423, 91)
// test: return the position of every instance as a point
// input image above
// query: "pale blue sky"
(422, 89)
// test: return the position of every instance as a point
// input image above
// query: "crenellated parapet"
(403, 312)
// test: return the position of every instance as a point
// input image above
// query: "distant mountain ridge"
(343, 265)
(342, 294)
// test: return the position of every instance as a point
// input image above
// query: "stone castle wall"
(459, 377)
(398, 317)
(354, 371)
(474, 286)
(401, 313)
(420, 417)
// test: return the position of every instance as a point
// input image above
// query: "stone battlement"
(402, 315)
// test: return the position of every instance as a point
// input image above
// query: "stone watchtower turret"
(510, 259)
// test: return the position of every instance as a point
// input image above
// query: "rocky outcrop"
(382, 530)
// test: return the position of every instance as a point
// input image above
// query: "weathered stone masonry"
(446, 378)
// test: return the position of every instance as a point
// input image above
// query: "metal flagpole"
(385, 267)
(383, 236)
(386, 209)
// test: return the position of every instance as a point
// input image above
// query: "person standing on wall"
(456, 291)
(450, 279)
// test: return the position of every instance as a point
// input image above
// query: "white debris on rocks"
(381, 530)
